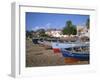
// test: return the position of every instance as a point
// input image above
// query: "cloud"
(47, 26)
(35, 28)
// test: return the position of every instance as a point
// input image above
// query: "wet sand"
(37, 55)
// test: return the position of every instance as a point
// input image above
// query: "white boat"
(57, 45)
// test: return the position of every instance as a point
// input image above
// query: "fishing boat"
(76, 52)
(60, 45)
(35, 40)
(79, 51)
(46, 43)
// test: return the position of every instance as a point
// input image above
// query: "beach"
(38, 55)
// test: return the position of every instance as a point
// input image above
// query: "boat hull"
(82, 57)
(58, 46)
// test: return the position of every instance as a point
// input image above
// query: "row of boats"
(78, 50)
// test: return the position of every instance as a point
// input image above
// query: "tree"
(29, 34)
(41, 33)
(64, 30)
(69, 29)
(88, 23)
(74, 30)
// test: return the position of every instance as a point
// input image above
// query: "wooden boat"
(58, 45)
(72, 52)
(46, 43)
(80, 55)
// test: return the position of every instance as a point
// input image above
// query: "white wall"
(5, 40)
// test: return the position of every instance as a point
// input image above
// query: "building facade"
(81, 31)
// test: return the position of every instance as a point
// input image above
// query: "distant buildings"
(54, 33)
(81, 31)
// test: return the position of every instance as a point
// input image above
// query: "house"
(83, 31)
(54, 33)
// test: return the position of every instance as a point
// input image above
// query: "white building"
(82, 31)
(54, 33)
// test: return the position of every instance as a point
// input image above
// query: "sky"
(35, 21)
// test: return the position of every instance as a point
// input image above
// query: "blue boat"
(83, 56)
(74, 50)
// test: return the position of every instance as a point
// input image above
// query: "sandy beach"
(37, 55)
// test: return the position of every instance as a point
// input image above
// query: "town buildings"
(81, 31)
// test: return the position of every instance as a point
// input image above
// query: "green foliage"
(38, 33)
(41, 33)
(29, 34)
(74, 30)
(69, 23)
(88, 23)
(69, 29)
(44, 35)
